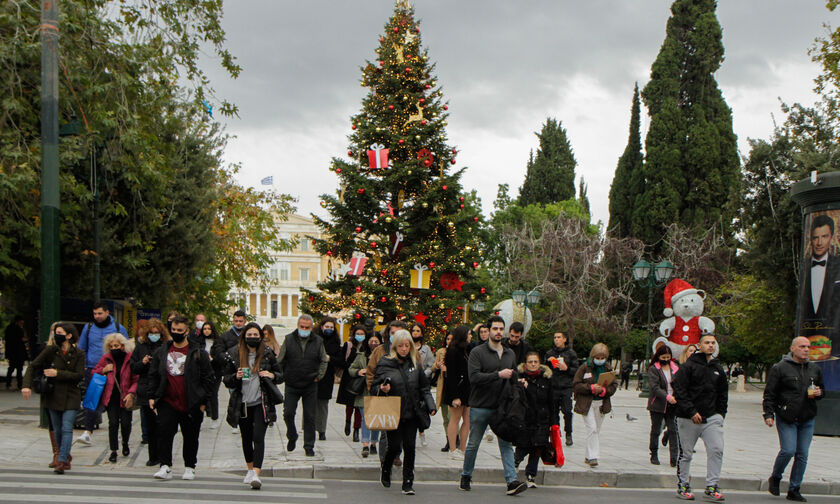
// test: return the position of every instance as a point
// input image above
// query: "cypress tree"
(550, 176)
(628, 176)
(691, 164)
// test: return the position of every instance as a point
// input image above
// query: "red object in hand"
(557, 443)
(554, 362)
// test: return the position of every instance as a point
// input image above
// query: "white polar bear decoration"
(685, 324)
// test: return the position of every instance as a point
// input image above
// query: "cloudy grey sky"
(504, 67)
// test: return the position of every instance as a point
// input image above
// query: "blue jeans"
(479, 418)
(794, 439)
(62, 424)
(368, 435)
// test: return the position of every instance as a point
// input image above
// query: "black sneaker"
(516, 487)
(290, 446)
(712, 493)
(445, 448)
(322, 436)
(407, 488)
(385, 477)
(654, 459)
(365, 451)
(794, 495)
(373, 449)
(531, 480)
(465, 483)
(569, 441)
(125, 450)
(113, 457)
(309, 452)
(773, 485)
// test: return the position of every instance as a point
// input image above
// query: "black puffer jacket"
(198, 375)
(332, 345)
(268, 363)
(541, 412)
(561, 380)
(141, 350)
(786, 393)
(226, 342)
(417, 401)
(701, 387)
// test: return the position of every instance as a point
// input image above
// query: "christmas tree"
(404, 240)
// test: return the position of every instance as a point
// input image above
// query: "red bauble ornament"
(445, 188)
(383, 299)
(384, 272)
(446, 107)
(422, 100)
(461, 199)
(390, 107)
(407, 70)
(433, 296)
(358, 229)
(358, 289)
(396, 30)
(475, 219)
(373, 245)
(483, 290)
(431, 264)
(361, 190)
(338, 170)
(462, 206)
(312, 298)
(358, 316)
(353, 127)
(424, 122)
(382, 39)
(428, 86)
(400, 141)
(475, 264)
(452, 161)
(313, 242)
(454, 151)
(381, 63)
(353, 302)
(349, 153)
(329, 253)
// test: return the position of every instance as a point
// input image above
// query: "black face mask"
(252, 342)
(118, 354)
(179, 337)
(59, 339)
(417, 340)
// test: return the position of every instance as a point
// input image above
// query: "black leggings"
(119, 419)
(252, 428)
(405, 437)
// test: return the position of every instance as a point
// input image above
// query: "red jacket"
(127, 378)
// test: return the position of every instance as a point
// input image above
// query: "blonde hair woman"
(592, 400)
(120, 393)
(398, 374)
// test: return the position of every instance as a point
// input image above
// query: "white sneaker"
(423, 439)
(84, 438)
(256, 484)
(456, 455)
(164, 473)
(189, 474)
(234, 430)
(250, 476)
(215, 424)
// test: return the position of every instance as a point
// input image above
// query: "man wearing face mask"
(180, 377)
(196, 334)
(304, 362)
(153, 336)
(228, 341)
(92, 343)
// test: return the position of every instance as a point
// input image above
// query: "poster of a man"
(819, 317)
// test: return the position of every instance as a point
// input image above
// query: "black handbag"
(356, 386)
(41, 384)
(271, 389)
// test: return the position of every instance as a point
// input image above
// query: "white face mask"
(599, 362)
(199, 324)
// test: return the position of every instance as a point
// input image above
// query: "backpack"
(509, 418)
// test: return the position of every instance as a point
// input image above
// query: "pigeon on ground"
(630, 418)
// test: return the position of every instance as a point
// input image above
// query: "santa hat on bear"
(676, 289)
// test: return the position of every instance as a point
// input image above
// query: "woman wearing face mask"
(540, 415)
(64, 367)
(359, 368)
(209, 335)
(120, 393)
(592, 401)
(426, 358)
(332, 346)
(349, 350)
(456, 392)
(251, 405)
(400, 374)
(662, 404)
(151, 338)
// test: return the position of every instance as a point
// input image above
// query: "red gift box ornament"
(357, 264)
(377, 156)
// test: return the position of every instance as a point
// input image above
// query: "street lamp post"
(521, 301)
(650, 277)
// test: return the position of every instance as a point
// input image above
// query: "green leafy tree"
(550, 175)
(130, 77)
(627, 182)
(412, 212)
(691, 160)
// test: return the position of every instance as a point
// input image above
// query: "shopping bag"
(382, 413)
(557, 443)
(94, 391)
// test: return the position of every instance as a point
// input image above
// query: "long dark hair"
(662, 350)
(366, 345)
(244, 351)
(358, 344)
(213, 333)
(458, 346)
(422, 331)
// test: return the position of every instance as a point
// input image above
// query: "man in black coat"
(517, 343)
(794, 386)
(304, 362)
(563, 362)
(15, 338)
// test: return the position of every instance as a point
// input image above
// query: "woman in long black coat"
(349, 350)
(541, 414)
(332, 346)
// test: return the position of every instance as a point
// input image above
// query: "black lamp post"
(650, 277)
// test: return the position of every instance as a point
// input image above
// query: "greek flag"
(267, 181)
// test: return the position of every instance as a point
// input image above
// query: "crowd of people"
(172, 372)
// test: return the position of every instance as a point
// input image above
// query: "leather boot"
(355, 435)
(54, 449)
(347, 427)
